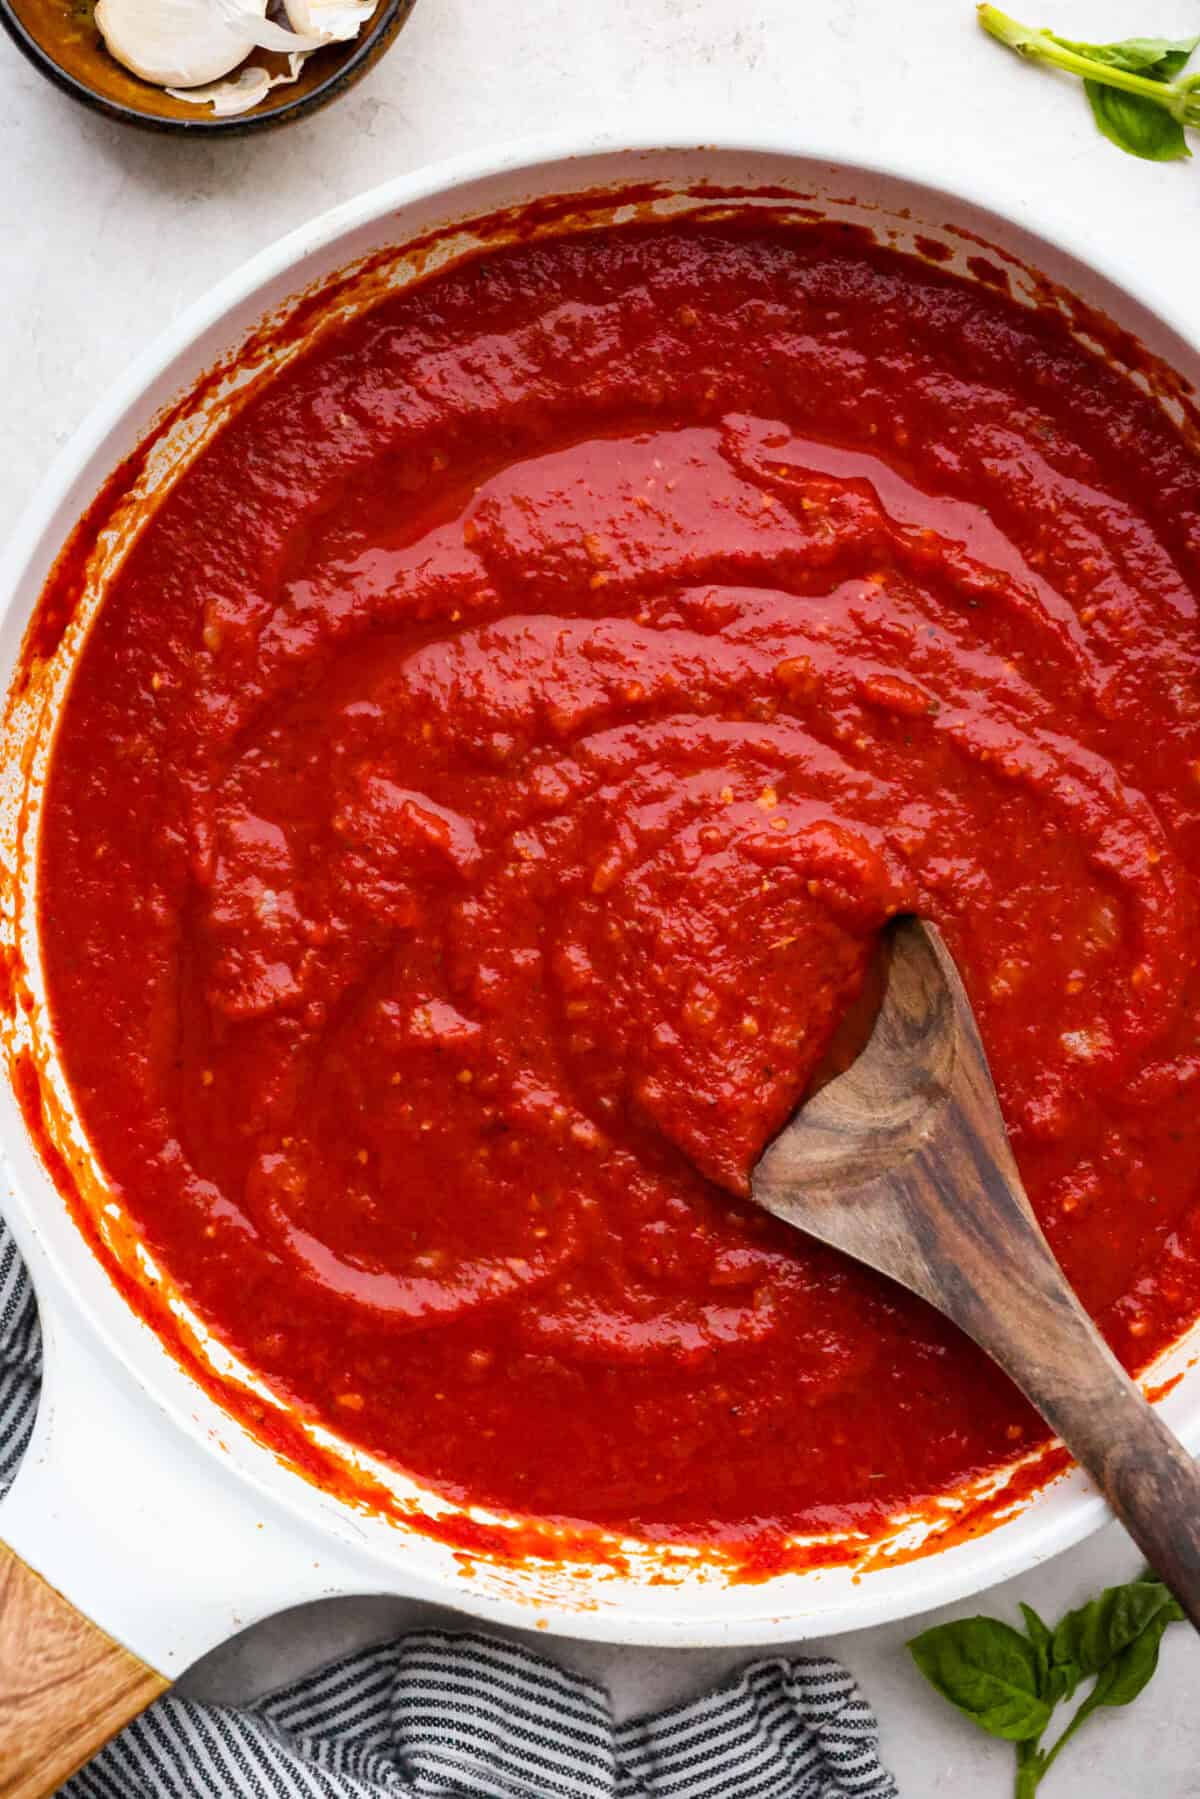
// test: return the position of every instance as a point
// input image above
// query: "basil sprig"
(1012, 1682)
(1139, 96)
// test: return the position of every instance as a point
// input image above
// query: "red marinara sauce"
(478, 799)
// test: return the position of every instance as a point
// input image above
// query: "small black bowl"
(60, 38)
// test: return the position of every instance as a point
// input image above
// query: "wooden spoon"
(903, 1162)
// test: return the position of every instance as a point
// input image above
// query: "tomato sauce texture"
(478, 801)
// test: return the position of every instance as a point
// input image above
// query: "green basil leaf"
(1090, 1638)
(1131, 121)
(1131, 1670)
(989, 1671)
(1173, 59)
(1042, 1639)
(1159, 58)
(1136, 124)
(1118, 1683)
(1054, 1683)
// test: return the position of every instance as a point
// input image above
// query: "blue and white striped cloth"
(436, 1716)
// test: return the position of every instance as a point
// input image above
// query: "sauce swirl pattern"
(479, 798)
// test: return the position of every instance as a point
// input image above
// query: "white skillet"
(140, 1500)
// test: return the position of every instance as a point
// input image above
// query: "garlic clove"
(242, 91)
(188, 43)
(331, 21)
(179, 43)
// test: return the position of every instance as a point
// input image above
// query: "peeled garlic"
(332, 21)
(186, 43)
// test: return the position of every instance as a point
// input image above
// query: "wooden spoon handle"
(1024, 1314)
(998, 1278)
(1072, 1377)
(65, 1687)
(995, 1274)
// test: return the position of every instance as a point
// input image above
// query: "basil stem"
(1178, 98)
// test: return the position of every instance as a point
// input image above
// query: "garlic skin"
(242, 91)
(189, 43)
(267, 34)
(330, 21)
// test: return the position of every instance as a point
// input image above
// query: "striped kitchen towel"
(437, 1716)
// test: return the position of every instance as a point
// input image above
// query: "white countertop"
(105, 234)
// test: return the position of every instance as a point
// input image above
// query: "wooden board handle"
(65, 1687)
